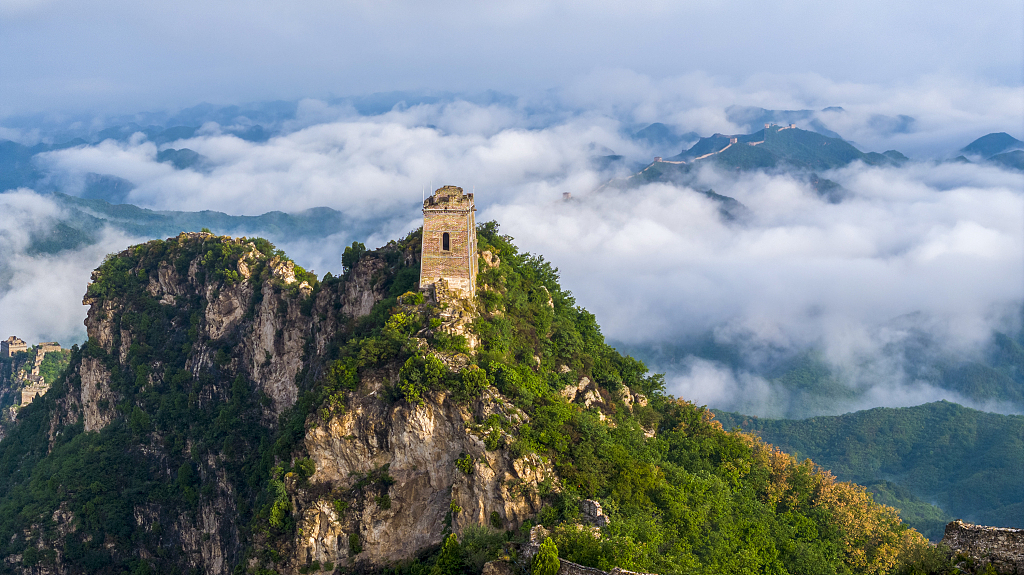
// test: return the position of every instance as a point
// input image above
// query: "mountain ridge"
(970, 463)
(232, 412)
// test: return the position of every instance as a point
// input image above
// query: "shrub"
(471, 383)
(419, 374)
(280, 505)
(449, 560)
(305, 467)
(411, 298)
(480, 545)
(545, 562)
(340, 507)
(465, 464)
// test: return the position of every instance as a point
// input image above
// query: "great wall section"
(1000, 547)
(25, 374)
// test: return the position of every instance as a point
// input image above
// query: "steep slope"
(230, 413)
(969, 463)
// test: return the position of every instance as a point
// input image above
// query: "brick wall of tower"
(449, 210)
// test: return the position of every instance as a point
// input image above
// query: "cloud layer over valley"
(930, 249)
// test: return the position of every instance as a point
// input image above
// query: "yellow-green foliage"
(693, 498)
(545, 562)
(449, 560)
(684, 496)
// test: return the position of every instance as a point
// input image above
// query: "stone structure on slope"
(11, 346)
(1001, 547)
(449, 253)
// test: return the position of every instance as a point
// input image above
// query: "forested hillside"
(233, 413)
(967, 462)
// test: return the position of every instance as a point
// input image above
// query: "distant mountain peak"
(992, 144)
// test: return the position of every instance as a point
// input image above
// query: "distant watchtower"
(449, 241)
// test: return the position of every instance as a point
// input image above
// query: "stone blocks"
(449, 249)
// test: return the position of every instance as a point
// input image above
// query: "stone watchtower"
(449, 241)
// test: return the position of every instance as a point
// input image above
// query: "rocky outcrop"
(1000, 547)
(439, 475)
(96, 398)
(391, 477)
(591, 512)
(263, 325)
(363, 287)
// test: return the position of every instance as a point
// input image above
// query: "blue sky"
(58, 55)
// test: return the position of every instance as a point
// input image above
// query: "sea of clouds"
(932, 246)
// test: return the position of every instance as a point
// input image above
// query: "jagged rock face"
(97, 400)
(419, 446)
(270, 337)
(387, 483)
(363, 289)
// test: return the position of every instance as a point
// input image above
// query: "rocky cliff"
(440, 476)
(215, 319)
(231, 412)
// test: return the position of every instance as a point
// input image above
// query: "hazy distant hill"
(17, 167)
(992, 144)
(752, 117)
(969, 463)
(1014, 159)
(777, 146)
(774, 148)
(84, 218)
(805, 385)
(662, 138)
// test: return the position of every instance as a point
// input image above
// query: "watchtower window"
(446, 242)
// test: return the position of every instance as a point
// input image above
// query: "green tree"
(545, 562)
(449, 560)
(351, 256)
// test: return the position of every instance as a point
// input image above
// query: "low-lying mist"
(929, 252)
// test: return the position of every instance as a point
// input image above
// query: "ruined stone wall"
(449, 211)
(565, 567)
(570, 568)
(11, 346)
(41, 351)
(1002, 547)
(32, 391)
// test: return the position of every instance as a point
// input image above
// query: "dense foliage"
(102, 479)
(54, 363)
(692, 498)
(969, 462)
(684, 496)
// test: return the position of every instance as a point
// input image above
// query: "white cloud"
(41, 295)
(941, 244)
